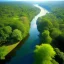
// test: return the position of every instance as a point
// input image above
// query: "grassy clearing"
(4, 50)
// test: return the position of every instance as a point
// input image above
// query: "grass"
(4, 50)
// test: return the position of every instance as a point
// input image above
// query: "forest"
(51, 28)
(45, 42)
(15, 18)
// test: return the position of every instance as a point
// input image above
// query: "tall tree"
(44, 54)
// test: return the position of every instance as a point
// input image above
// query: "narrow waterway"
(24, 55)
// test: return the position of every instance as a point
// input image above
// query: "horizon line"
(31, 0)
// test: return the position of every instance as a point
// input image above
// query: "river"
(24, 55)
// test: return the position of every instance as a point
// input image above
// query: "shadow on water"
(24, 57)
(13, 52)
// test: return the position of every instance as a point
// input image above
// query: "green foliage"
(17, 9)
(44, 54)
(55, 32)
(54, 62)
(46, 37)
(54, 23)
(7, 29)
(44, 24)
(5, 34)
(59, 53)
(17, 35)
(15, 16)
(51, 28)
(2, 52)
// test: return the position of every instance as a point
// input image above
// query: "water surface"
(24, 55)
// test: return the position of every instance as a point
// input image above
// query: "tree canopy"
(44, 54)
(15, 18)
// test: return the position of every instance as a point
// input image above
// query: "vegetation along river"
(24, 55)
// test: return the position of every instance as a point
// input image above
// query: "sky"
(31, 0)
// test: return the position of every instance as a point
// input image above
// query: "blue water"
(24, 55)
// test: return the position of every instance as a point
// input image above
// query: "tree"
(54, 61)
(11, 18)
(59, 53)
(46, 37)
(55, 32)
(44, 24)
(17, 35)
(5, 33)
(44, 54)
(7, 29)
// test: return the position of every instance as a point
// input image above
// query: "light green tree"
(44, 54)
(17, 35)
(7, 29)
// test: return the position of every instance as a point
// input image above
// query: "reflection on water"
(24, 55)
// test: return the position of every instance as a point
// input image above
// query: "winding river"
(24, 55)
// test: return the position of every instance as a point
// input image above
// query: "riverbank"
(7, 49)
(14, 24)
(24, 55)
(12, 51)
